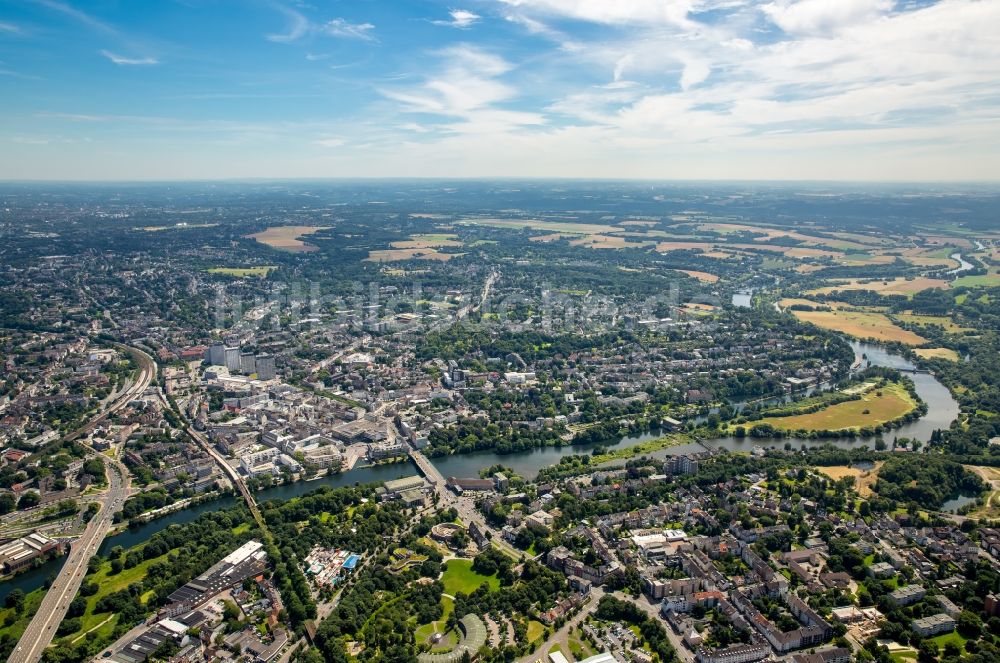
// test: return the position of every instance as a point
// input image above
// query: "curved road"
(52, 610)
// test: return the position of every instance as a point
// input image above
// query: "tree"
(15, 600)
(7, 502)
(969, 624)
(28, 500)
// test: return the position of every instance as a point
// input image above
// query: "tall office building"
(265, 367)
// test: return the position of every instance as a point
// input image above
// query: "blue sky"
(671, 89)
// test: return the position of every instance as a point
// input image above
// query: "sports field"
(861, 325)
(875, 407)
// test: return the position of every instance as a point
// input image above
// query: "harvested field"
(897, 286)
(937, 353)
(704, 277)
(548, 226)
(860, 325)
(427, 242)
(394, 255)
(286, 238)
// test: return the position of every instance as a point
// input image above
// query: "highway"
(52, 610)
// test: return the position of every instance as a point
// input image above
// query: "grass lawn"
(535, 630)
(871, 410)
(109, 583)
(459, 577)
(945, 638)
(579, 647)
(31, 602)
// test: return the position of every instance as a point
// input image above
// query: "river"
(963, 264)
(35, 578)
(942, 410)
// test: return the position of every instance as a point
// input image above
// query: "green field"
(989, 280)
(243, 272)
(459, 577)
(535, 630)
(872, 409)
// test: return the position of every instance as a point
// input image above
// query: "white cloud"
(460, 18)
(330, 142)
(824, 17)
(298, 26)
(9, 27)
(125, 61)
(339, 27)
(466, 93)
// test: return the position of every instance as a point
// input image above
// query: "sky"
(855, 90)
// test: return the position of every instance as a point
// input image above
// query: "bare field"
(863, 479)
(861, 325)
(990, 475)
(286, 238)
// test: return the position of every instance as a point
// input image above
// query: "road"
(465, 506)
(52, 610)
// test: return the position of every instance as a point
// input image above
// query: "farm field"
(286, 238)
(991, 279)
(937, 353)
(863, 479)
(427, 241)
(875, 407)
(861, 325)
(704, 277)
(178, 226)
(896, 286)
(394, 255)
(547, 226)
(942, 321)
(243, 272)
(458, 576)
